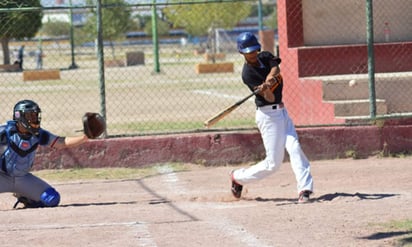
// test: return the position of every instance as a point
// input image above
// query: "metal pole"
(260, 15)
(371, 58)
(155, 39)
(73, 65)
(100, 58)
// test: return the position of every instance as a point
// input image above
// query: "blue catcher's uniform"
(18, 153)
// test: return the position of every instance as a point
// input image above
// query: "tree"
(198, 19)
(162, 28)
(56, 28)
(18, 24)
(267, 9)
(116, 21)
(140, 21)
(205, 18)
(271, 20)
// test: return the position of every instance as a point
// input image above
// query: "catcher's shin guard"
(49, 198)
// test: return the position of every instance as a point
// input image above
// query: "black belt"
(277, 106)
(274, 106)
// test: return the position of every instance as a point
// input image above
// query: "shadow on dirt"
(382, 235)
(95, 204)
(160, 199)
(362, 196)
(326, 197)
(153, 201)
(407, 240)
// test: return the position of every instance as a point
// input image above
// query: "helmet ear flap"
(17, 115)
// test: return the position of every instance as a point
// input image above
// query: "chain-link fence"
(167, 66)
(346, 60)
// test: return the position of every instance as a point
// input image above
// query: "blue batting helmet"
(247, 42)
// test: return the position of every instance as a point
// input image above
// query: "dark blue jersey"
(19, 150)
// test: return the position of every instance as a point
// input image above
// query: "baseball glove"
(93, 125)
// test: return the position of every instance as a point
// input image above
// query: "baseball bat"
(216, 118)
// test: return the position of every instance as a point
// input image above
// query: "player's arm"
(272, 77)
(268, 94)
(267, 85)
(69, 141)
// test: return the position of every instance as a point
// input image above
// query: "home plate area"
(353, 201)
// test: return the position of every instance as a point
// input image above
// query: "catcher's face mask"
(33, 118)
(29, 120)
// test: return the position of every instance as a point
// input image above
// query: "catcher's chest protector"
(17, 153)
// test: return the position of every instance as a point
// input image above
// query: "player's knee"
(50, 197)
(271, 165)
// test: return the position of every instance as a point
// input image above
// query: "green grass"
(404, 230)
(76, 174)
(237, 123)
(171, 126)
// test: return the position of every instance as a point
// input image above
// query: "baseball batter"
(261, 71)
(19, 139)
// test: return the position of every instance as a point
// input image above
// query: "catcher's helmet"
(28, 114)
(247, 42)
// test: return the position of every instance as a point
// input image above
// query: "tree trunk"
(6, 51)
(112, 47)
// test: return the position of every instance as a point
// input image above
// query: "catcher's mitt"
(93, 125)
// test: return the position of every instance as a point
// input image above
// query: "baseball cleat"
(304, 196)
(27, 203)
(236, 188)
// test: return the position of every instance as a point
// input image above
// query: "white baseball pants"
(278, 132)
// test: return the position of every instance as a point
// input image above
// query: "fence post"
(371, 58)
(73, 64)
(100, 57)
(260, 15)
(155, 38)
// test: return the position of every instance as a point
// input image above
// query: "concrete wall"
(337, 22)
(223, 148)
(353, 59)
(303, 22)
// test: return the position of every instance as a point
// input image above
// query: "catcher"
(19, 139)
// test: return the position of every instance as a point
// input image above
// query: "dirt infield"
(353, 201)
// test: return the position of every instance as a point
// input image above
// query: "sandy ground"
(353, 200)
